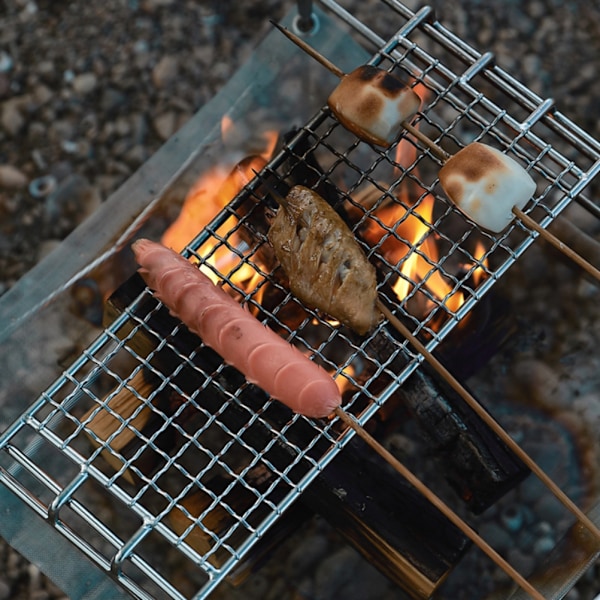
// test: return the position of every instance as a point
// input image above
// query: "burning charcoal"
(388, 521)
(476, 464)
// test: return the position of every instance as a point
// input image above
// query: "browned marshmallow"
(372, 104)
(486, 184)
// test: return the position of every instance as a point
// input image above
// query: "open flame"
(206, 198)
(405, 237)
(401, 231)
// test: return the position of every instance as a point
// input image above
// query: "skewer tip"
(309, 49)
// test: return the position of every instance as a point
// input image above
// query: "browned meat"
(323, 261)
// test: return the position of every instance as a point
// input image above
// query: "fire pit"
(148, 446)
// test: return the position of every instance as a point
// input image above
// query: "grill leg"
(306, 18)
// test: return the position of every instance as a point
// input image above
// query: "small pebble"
(497, 536)
(307, 553)
(512, 518)
(165, 72)
(85, 83)
(543, 546)
(42, 186)
(6, 62)
(12, 178)
(523, 563)
(333, 571)
(165, 125)
(5, 592)
(11, 117)
(547, 508)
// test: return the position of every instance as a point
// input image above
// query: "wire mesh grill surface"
(244, 458)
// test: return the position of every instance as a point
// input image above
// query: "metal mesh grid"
(209, 418)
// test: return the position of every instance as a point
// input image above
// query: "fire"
(406, 240)
(345, 378)
(478, 274)
(202, 203)
(212, 191)
(403, 233)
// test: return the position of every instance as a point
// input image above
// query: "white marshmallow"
(372, 104)
(486, 184)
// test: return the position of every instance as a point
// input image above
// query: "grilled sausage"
(244, 342)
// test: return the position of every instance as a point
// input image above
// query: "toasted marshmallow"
(486, 184)
(372, 104)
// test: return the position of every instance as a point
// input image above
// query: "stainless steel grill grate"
(210, 415)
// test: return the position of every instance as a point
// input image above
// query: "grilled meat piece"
(323, 261)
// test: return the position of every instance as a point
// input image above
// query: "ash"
(89, 91)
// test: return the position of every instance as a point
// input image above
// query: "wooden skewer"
(445, 156)
(557, 243)
(427, 141)
(487, 418)
(439, 504)
(309, 50)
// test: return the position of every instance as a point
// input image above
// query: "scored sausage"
(263, 357)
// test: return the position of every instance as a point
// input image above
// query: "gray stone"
(496, 535)
(5, 592)
(85, 83)
(165, 125)
(165, 72)
(11, 117)
(12, 178)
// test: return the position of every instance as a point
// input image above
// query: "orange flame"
(212, 191)
(406, 238)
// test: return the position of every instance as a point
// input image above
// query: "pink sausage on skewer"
(244, 342)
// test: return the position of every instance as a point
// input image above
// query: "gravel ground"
(88, 91)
